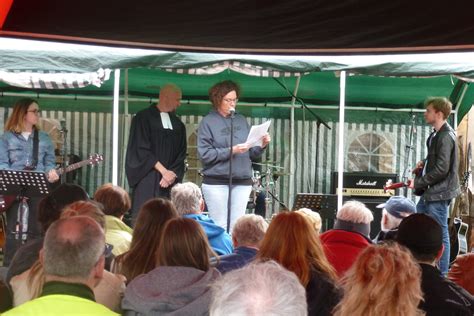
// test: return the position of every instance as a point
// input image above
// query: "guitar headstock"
(95, 159)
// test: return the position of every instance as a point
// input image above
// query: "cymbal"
(267, 165)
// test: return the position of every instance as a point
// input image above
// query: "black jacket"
(442, 296)
(440, 181)
(322, 294)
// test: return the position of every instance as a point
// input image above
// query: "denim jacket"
(16, 151)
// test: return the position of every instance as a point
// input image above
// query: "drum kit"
(264, 184)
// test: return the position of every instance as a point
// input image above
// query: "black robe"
(149, 143)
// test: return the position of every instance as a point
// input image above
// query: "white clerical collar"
(165, 120)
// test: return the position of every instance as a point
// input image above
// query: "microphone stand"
(64, 150)
(229, 197)
(408, 149)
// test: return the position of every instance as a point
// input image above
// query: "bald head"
(170, 98)
(72, 247)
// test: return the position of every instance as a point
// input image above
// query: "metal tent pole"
(115, 127)
(125, 129)
(340, 151)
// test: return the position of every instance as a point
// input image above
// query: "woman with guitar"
(24, 147)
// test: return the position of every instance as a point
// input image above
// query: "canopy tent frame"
(265, 65)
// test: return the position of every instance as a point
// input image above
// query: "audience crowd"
(177, 261)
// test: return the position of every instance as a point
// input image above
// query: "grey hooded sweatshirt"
(170, 291)
(214, 149)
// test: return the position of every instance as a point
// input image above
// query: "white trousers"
(216, 195)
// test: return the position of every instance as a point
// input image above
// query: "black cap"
(421, 234)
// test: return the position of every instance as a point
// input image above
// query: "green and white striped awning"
(54, 80)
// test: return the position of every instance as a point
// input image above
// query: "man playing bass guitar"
(437, 178)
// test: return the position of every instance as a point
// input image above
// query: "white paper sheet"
(256, 133)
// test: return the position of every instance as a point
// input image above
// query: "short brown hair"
(184, 244)
(115, 200)
(440, 104)
(220, 89)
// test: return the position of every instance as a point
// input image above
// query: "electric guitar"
(390, 185)
(94, 159)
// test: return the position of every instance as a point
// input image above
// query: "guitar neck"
(73, 166)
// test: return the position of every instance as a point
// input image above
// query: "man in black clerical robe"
(156, 149)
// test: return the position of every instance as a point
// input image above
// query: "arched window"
(370, 152)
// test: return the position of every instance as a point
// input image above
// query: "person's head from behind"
(73, 251)
(51, 206)
(170, 97)
(394, 210)
(115, 200)
(90, 209)
(25, 112)
(249, 231)
(423, 236)
(313, 217)
(291, 241)
(354, 216)
(187, 198)
(146, 237)
(384, 280)
(264, 288)
(438, 109)
(184, 244)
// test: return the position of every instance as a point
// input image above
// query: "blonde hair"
(313, 217)
(20, 110)
(355, 212)
(384, 280)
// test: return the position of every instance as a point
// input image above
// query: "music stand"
(23, 184)
(324, 204)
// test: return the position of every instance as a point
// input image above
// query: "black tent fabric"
(241, 25)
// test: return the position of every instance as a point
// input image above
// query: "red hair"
(291, 241)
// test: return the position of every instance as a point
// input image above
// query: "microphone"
(232, 112)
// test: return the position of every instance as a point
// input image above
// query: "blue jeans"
(216, 201)
(439, 211)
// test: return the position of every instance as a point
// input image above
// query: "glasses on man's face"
(231, 100)
(35, 111)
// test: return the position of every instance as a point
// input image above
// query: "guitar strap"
(34, 162)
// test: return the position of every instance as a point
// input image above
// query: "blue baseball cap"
(399, 206)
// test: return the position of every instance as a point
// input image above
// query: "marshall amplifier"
(366, 184)
(366, 187)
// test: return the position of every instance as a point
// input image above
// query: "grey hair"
(73, 246)
(262, 288)
(392, 221)
(186, 197)
(355, 212)
(249, 230)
